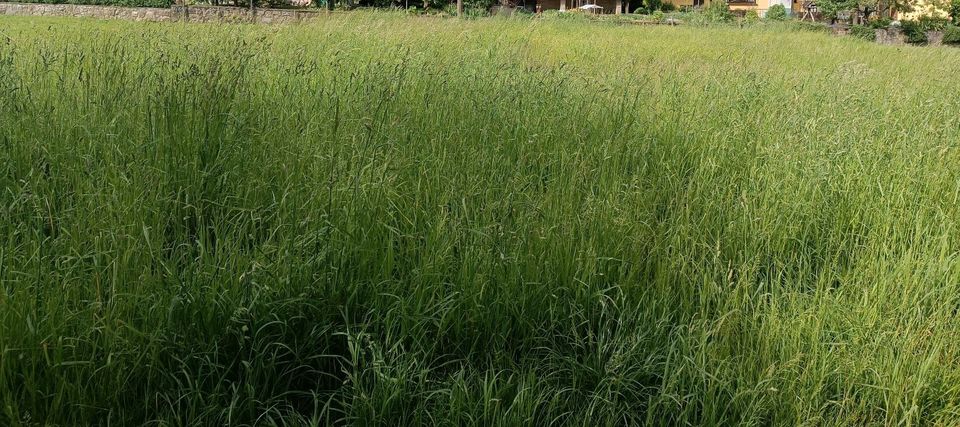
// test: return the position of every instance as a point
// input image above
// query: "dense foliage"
(951, 35)
(863, 32)
(914, 31)
(871, 9)
(932, 23)
(881, 23)
(655, 5)
(777, 13)
(378, 220)
(716, 12)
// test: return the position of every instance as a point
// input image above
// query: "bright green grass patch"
(386, 220)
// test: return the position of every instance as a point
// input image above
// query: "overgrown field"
(383, 220)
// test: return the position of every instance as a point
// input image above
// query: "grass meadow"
(379, 220)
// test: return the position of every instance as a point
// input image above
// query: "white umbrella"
(589, 7)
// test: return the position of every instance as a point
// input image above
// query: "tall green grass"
(373, 219)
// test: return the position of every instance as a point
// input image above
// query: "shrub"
(565, 16)
(477, 8)
(880, 24)
(863, 32)
(751, 17)
(913, 31)
(954, 11)
(951, 35)
(641, 11)
(657, 16)
(716, 12)
(932, 23)
(652, 4)
(475, 12)
(670, 7)
(777, 13)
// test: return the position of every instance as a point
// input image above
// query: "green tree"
(869, 8)
(830, 8)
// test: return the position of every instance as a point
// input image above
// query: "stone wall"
(104, 12)
(175, 13)
(891, 36)
(235, 14)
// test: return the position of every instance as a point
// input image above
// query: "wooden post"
(563, 5)
(619, 6)
(460, 8)
(329, 6)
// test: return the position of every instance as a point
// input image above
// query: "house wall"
(794, 7)
(797, 8)
(609, 6)
(761, 6)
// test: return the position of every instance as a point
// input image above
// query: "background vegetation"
(387, 220)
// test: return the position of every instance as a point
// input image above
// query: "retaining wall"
(174, 13)
(105, 12)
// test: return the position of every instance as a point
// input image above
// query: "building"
(609, 6)
(627, 6)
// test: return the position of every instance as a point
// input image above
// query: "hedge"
(951, 35)
(863, 32)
